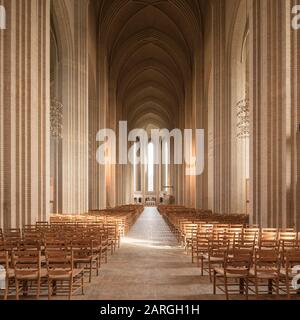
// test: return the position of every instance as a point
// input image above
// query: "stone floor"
(149, 265)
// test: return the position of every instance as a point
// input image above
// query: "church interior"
(74, 226)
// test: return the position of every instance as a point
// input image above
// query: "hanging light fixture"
(243, 117)
(56, 117)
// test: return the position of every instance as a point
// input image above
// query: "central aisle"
(149, 266)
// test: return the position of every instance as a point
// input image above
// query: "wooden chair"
(104, 246)
(266, 272)
(200, 248)
(290, 235)
(12, 239)
(27, 269)
(4, 268)
(252, 234)
(244, 245)
(268, 245)
(290, 272)
(233, 277)
(84, 254)
(60, 269)
(12, 234)
(215, 256)
(55, 245)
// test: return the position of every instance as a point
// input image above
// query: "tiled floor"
(149, 265)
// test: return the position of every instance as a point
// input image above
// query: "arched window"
(165, 154)
(137, 186)
(135, 168)
(150, 167)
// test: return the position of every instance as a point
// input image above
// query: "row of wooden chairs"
(238, 258)
(265, 272)
(29, 271)
(58, 255)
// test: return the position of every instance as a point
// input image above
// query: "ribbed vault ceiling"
(150, 47)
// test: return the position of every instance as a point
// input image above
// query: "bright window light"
(150, 167)
(134, 167)
(166, 161)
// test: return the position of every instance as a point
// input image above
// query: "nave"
(150, 265)
(133, 253)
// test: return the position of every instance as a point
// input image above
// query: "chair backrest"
(4, 259)
(82, 248)
(202, 240)
(291, 259)
(12, 234)
(244, 245)
(287, 245)
(268, 261)
(266, 230)
(55, 245)
(218, 248)
(287, 236)
(27, 262)
(59, 260)
(30, 244)
(268, 244)
(232, 236)
(238, 261)
(251, 233)
(268, 235)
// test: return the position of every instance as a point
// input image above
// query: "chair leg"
(6, 289)
(49, 289)
(226, 288)
(215, 280)
(247, 288)
(70, 289)
(202, 266)
(82, 285)
(209, 270)
(91, 269)
(287, 284)
(256, 288)
(270, 286)
(17, 290)
(38, 289)
(277, 288)
(99, 259)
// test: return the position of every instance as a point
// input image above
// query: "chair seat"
(264, 275)
(60, 274)
(213, 259)
(30, 275)
(221, 272)
(85, 259)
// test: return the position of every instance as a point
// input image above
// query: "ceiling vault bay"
(149, 74)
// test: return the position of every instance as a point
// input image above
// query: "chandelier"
(243, 117)
(56, 117)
